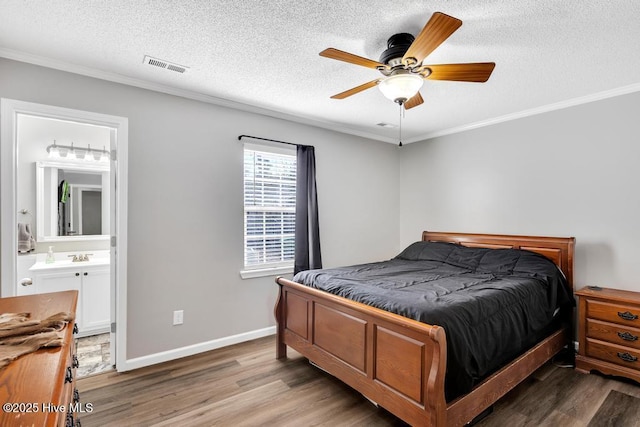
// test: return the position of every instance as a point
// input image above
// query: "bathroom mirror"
(72, 201)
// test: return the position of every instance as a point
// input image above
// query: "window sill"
(264, 272)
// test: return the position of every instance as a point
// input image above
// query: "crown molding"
(158, 87)
(302, 119)
(625, 90)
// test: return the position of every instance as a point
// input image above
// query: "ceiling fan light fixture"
(400, 87)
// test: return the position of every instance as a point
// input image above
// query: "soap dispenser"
(50, 258)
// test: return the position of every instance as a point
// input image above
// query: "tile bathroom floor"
(93, 355)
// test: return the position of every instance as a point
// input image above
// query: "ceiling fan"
(402, 66)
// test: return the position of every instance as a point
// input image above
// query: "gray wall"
(570, 172)
(185, 203)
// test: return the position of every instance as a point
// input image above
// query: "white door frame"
(9, 111)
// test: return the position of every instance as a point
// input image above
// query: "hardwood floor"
(243, 385)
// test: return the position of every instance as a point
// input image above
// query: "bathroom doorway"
(52, 156)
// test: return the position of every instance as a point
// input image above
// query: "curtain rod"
(271, 140)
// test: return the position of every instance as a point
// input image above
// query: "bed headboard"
(557, 249)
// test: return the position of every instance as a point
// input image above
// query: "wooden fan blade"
(475, 72)
(350, 58)
(414, 101)
(437, 30)
(357, 89)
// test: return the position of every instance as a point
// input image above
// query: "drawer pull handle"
(69, 421)
(76, 395)
(76, 362)
(627, 336)
(627, 315)
(75, 328)
(69, 376)
(627, 357)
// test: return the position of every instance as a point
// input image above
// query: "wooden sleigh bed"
(400, 363)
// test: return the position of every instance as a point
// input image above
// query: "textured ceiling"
(265, 53)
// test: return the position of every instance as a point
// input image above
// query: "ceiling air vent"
(385, 125)
(161, 63)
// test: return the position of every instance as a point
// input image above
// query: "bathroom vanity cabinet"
(93, 314)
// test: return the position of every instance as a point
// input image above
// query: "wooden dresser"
(38, 389)
(609, 332)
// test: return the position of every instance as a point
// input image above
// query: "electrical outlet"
(178, 317)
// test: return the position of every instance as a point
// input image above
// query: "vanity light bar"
(70, 152)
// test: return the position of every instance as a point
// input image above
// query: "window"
(269, 207)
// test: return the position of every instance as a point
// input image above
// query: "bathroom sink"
(67, 263)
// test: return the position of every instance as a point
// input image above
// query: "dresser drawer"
(620, 355)
(618, 334)
(616, 313)
(69, 385)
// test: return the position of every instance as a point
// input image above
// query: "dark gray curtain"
(307, 256)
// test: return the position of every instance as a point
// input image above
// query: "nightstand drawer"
(620, 355)
(616, 313)
(618, 334)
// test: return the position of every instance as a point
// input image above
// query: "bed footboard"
(397, 362)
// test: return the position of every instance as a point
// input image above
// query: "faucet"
(80, 258)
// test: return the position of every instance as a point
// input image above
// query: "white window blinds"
(269, 207)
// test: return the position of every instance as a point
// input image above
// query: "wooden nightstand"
(609, 332)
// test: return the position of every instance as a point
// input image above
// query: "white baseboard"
(177, 353)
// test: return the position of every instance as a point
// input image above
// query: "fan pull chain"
(400, 126)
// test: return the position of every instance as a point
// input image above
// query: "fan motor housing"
(397, 46)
